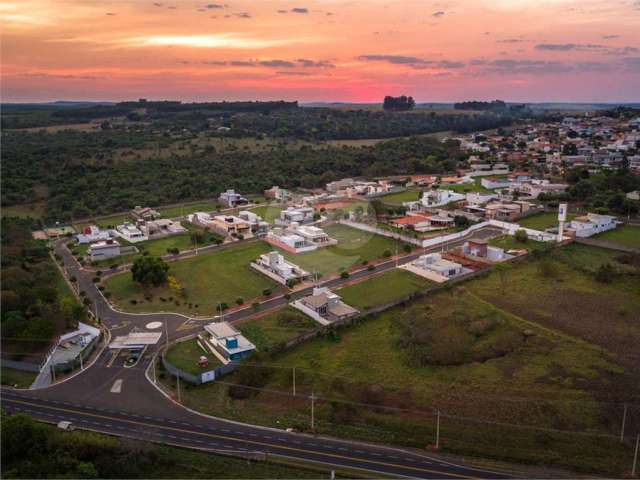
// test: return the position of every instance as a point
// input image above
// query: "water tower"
(562, 217)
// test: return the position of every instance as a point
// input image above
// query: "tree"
(149, 271)
(461, 221)
(401, 103)
(521, 236)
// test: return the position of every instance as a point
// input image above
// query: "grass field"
(274, 328)
(33, 210)
(268, 213)
(381, 289)
(17, 378)
(508, 242)
(208, 279)
(187, 208)
(354, 247)
(398, 198)
(185, 356)
(510, 359)
(542, 221)
(105, 222)
(627, 235)
(476, 186)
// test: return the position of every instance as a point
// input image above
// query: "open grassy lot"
(185, 356)
(275, 328)
(268, 213)
(187, 208)
(542, 221)
(515, 361)
(476, 186)
(508, 242)
(209, 278)
(382, 289)
(627, 235)
(105, 222)
(33, 210)
(400, 197)
(354, 247)
(17, 378)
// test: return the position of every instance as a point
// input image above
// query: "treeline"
(33, 307)
(495, 105)
(79, 184)
(603, 192)
(398, 104)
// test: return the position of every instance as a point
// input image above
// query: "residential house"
(506, 211)
(276, 267)
(131, 233)
(480, 249)
(325, 307)
(289, 242)
(480, 198)
(161, 227)
(590, 224)
(434, 199)
(230, 226)
(103, 250)
(277, 193)
(92, 234)
(227, 343)
(144, 213)
(232, 199)
(494, 183)
(299, 215)
(258, 226)
(315, 235)
(433, 267)
(339, 184)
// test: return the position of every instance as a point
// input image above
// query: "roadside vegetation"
(271, 331)
(186, 355)
(542, 221)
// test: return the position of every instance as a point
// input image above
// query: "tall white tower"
(562, 217)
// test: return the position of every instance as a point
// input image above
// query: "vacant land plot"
(268, 213)
(208, 279)
(515, 361)
(508, 242)
(542, 221)
(476, 186)
(106, 222)
(33, 210)
(627, 235)
(187, 208)
(185, 356)
(400, 197)
(276, 328)
(354, 247)
(381, 289)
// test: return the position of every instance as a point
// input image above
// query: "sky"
(323, 50)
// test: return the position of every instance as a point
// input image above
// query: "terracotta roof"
(410, 220)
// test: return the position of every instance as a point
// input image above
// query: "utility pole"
(178, 379)
(155, 381)
(624, 420)
(294, 381)
(81, 362)
(166, 331)
(438, 431)
(635, 457)
(313, 416)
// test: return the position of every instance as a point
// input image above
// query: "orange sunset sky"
(323, 50)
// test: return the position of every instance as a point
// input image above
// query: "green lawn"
(542, 221)
(275, 328)
(476, 186)
(105, 222)
(33, 210)
(268, 213)
(187, 208)
(208, 279)
(627, 235)
(17, 378)
(525, 346)
(185, 356)
(382, 289)
(354, 247)
(508, 242)
(398, 198)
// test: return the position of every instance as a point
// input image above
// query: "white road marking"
(117, 386)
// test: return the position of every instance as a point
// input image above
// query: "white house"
(480, 249)
(311, 234)
(433, 267)
(479, 198)
(290, 242)
(493, 183)
(103, 250)
(228, 342)
(324, 306)
(232, 199)
(131, 233)
(435, 198)
(162, 226)
(299, 215)
(276, 267)
(258, 226)
(92, 234)
(591, 224)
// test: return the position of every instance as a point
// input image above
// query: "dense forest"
(35, 303)
(81, 180)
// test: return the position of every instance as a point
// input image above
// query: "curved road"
(108, 398)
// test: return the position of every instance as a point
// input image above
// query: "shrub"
(113, 266)
(344, 274)
(133, 301)
(239, 301)
(95, 279)
(371, 268)
(106, 294)
(266, 292)
(407, 248)
(73, 279)
(386, 253)
(521, 236)
(605, 273)
(99, 273)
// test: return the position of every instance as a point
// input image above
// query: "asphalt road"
(108, 398)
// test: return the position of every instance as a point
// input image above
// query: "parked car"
(65, 425)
